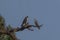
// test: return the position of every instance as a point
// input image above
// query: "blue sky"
(47, 12)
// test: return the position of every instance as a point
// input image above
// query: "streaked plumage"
(24, 21)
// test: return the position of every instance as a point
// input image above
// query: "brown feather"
(24, 21)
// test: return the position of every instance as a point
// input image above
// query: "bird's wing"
(36, 24)
(24, 21)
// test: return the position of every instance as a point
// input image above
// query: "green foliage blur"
(2, 27)
(4, 36)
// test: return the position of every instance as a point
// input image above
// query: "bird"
(24, 21)
(37, 25)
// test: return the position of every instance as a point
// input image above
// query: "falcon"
(24, 21)
(37, 25)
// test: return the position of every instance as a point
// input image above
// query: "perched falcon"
(25, 24)
(24, 21)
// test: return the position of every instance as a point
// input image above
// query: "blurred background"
(47, 12)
